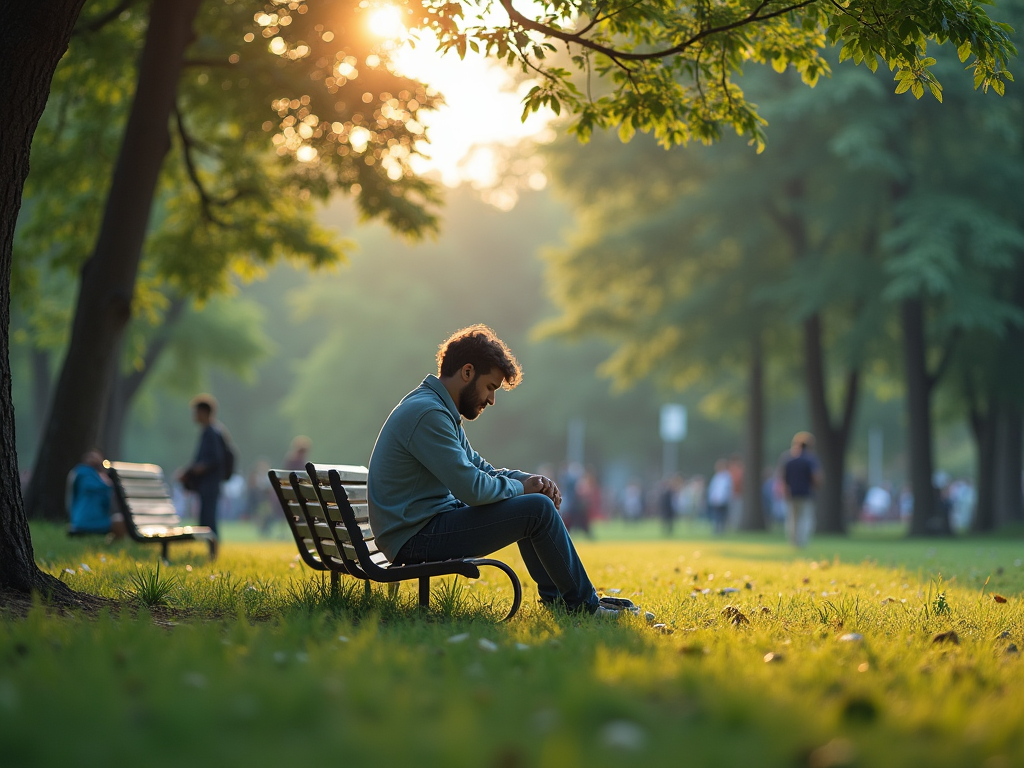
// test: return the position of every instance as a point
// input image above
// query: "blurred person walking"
(668, 503)
(214, 461)
(719, 496)
(736, 470)
(633, 501)
(298, 454)
(801, 474)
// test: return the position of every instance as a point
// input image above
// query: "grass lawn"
(826, 658)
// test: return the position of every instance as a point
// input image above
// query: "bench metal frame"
(327, 512)
(160, 523)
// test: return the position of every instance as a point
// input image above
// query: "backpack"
(228, 468)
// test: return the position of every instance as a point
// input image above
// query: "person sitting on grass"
(89, 495)
(432, 497)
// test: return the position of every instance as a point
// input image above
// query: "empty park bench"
(143, 498)
(327, 513)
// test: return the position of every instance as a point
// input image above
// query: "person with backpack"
(214, 461)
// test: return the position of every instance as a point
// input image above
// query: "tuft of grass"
(146, 587)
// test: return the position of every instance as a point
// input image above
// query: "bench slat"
(347, 473)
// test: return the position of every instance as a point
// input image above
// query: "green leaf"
(964, 50)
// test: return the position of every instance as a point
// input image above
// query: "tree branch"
(130, 384)
(576, 37)
(89, 26)
(205, 199)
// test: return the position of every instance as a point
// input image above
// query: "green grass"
(260, 663)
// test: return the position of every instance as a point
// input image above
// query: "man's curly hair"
(479, 346)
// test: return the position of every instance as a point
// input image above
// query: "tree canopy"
(671, 68)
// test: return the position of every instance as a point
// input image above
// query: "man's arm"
(531, 483)
(436, 444)
(481, 463)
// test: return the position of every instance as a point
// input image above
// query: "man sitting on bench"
(432, 497)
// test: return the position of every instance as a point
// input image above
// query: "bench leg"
(335, 577)
(164, 546)
(424, 591)
(366, 588)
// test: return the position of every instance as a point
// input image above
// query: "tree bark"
(753, 459)
(1006, 471)
(831, 441)
(984, 510)
(126, 387)
(108, 278)
(928, 518)
(33, 38)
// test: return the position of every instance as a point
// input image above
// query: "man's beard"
(470, 403)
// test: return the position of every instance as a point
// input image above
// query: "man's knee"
(542, 506)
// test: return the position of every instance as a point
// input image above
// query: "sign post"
(673, 431)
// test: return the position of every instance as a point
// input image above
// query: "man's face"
(478, 393)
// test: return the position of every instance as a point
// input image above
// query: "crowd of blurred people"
(787, 493)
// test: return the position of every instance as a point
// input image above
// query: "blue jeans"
(533, 522)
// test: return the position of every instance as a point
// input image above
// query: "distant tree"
(710, 258)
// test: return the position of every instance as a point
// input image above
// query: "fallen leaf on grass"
(735, 615)
(853, 637)
(459, 638)
(947, 637)
(487, 645)
(999, 598)
(770, 658)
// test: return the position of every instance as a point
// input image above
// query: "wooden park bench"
(327, 513)
(143, 498)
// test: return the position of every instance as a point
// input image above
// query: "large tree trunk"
(1006, 472)
(929, 518)
(831, 440)
(753, 508)
(984, 438)
(126, 386)
(33, 37)
(108, 278)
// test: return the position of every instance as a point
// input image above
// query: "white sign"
(673, 422)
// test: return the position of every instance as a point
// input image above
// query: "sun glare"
(386, 22)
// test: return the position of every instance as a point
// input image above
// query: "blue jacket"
(422, 465)
(90, 500)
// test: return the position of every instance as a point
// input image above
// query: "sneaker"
(619, 604)
(606, 613)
